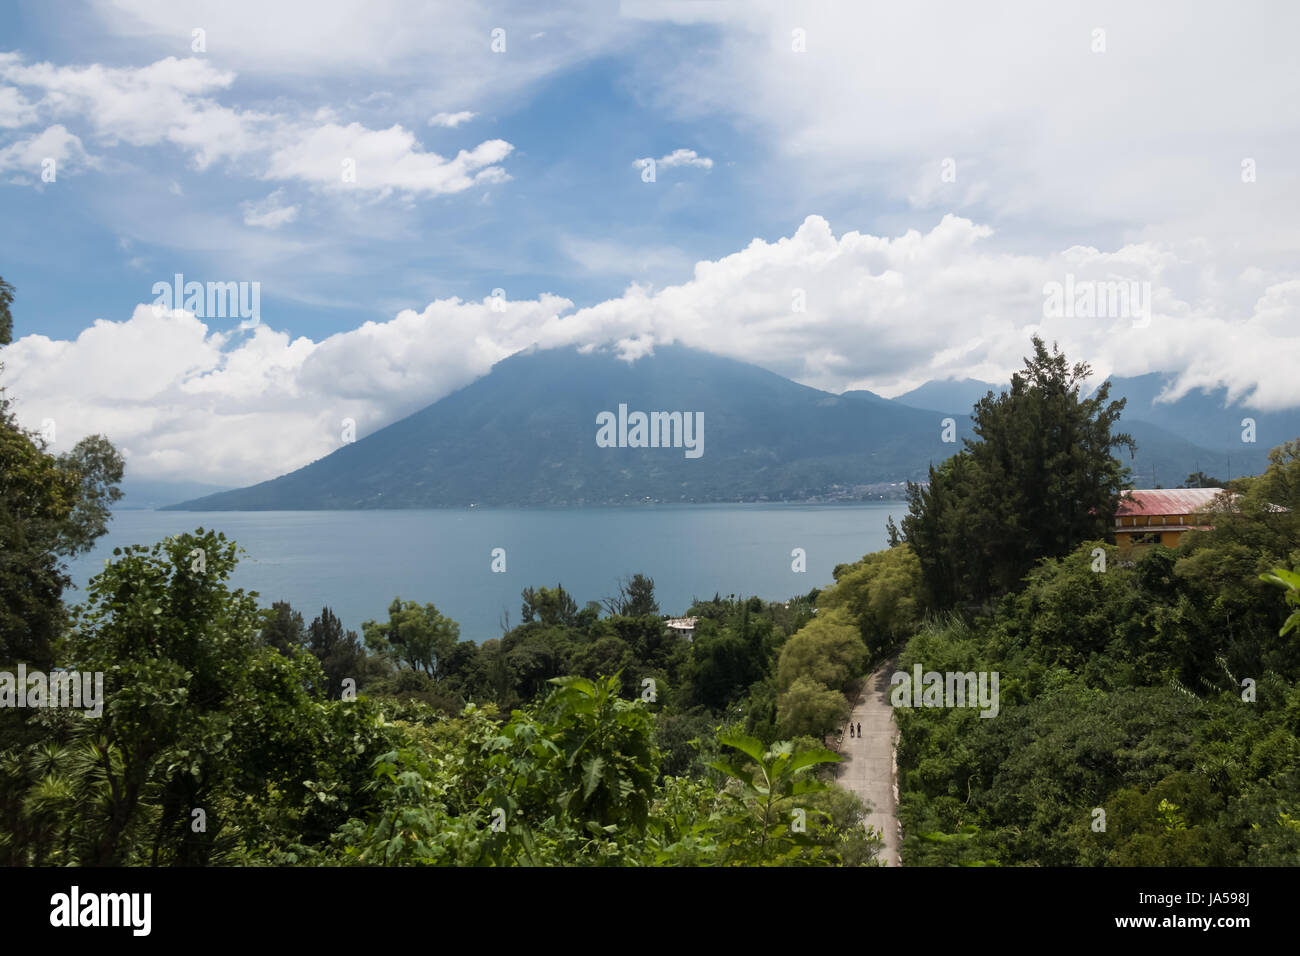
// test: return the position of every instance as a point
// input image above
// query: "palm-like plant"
(767, 790)
(1291, 581)
(610, 764)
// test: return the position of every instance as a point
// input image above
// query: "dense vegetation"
(236, 734)
(1149, 710)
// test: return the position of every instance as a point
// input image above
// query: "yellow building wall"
(1124, 539)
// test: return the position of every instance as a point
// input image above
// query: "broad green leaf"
(747, 745)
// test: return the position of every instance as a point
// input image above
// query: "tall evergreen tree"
(284, 629)
(1038, 480)
(635, 598)
(340, 652)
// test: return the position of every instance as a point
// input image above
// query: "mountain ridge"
(525, 435)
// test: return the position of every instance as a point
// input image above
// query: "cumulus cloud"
(835, 312)
(174, 101)
(30, 154)
(451, 120)
(181, 399)
(167, 101)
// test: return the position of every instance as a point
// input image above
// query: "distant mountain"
(948, 395)
(1163, 430)
(526, 434)
(144, 494)
(1205, 418)
(1166, 459)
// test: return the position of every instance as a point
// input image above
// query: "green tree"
(605, 655)
(891, 530)
(635, 598)
(36, 497)
(535, 654)
(284, 629)
(722, 666)
(50, 509)
(196, 704)
(550, 607)
(96, 468)
(828, 649)
(340, 653)
(417, 635)
(882, 594)
(1038, 479)
(810, 708)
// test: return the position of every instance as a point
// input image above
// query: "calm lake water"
(356, 562)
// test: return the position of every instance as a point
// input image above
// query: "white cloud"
(269, 213)
(172, 101)
(451, 120)
(167, 101)
(56, 143)
(383, 160)
(678, 157)
(440, 50)
(15, 111)
(1048, 137)
(181, 400)
(884, 313)
(685, 157)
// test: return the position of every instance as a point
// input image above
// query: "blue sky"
(574, 136)
(913, 175)
(575, 218)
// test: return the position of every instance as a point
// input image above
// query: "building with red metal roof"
(1164, 515)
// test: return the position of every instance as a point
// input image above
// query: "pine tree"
(1038, 479)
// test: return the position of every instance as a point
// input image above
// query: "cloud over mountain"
(195, 398)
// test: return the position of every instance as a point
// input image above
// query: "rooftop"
(1169, 501)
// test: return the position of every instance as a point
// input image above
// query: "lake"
(356, 562)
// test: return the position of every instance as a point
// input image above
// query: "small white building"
(683, 626)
